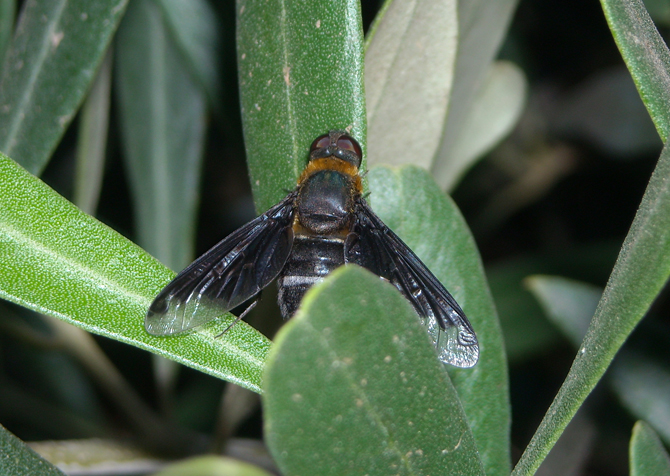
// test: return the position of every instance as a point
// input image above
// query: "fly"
(324, 223)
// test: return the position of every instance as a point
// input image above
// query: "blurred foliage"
(531, 118)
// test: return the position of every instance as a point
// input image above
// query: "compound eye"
(320, 142)
(350, 144)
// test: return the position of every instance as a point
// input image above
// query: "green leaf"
(7, 18)
(92, 139)
(301, 75)
(49, 67)
(59, 261)
(495, 110)
(523, 323)
(409, 68)
(193, 24)
(638, 276)
(643, 385)
(482, 27)
(647, 454)
(569, 304)
(212, 466)
(352, 387)
(97, 456)
(16, 459)
(646, 56)
(410, 203)
(162, 114)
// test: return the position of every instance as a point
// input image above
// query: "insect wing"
(234, 270)
(375, 247)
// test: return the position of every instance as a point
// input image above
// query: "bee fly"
(324, 223)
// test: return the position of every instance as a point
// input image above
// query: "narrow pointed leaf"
(409, 68)
(194, 26)
(646, 55)
(57, 260)
(17, 459)
(353, 385)
(212, 466)
(7, 17)
(301, 75)
(568, 303)
(50, 65)
(92, 140)
(482, 27)
(639, 274)
(648, 457)
(494, 111)
(410, 203)
(641, 383)
(162, 114)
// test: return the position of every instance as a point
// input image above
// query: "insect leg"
(241, 316)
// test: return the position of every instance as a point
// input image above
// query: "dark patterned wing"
(234, 270)
(374, 246)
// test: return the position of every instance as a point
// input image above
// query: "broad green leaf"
(193, 24)
(646, 56)
(639, 274)
(482, 27)
(212, 466)
(409, 68)
(495, 110)
(301, 75)
(50, 65)
(353, 385)
(7, 17)
(57, 260)
(16, 459)
(410, 203)
(92, 139)
(162, 114)
(648, 457)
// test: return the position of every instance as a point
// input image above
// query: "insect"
(324, 223)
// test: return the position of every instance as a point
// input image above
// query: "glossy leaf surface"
(353, 384)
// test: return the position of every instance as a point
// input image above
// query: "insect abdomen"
(312, 258)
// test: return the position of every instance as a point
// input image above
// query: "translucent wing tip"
(455, 345)
(161, 320)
